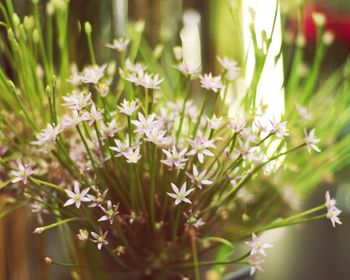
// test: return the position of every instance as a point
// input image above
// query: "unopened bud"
(328, 37)
(39, 230)
(48, 260)
(319, 19)
(87, 27)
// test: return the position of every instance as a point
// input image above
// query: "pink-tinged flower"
(156, 136)
(237, 125)
(246, 134)
(121, 147)
(255, 262)
(93, 74)
(211, 83)
(22, 173)
(119, 44)
(99, 238)
(128, 107)
(108, 131)
(230, 67)
(244, 149)
(311, 140)
(332, 211)
(97, 200)
(200, 147)
(73, 120)
(132, 155)
(214, 122)
(258, 246)
(77, 197)
(145, 80)
(278, 128)
(174, 158)
(180, 195)
(188, 70)
(110, 213)
(194, 221)
(134, 67)
(198, 178)
(304, 112)
(143, 124)
(77, 100)
(76, 79)
(94, 115)
(47, 135)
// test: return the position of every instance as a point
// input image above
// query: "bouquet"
(141, 165)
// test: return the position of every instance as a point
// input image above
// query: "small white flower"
(332, 211)
(143, 124)
(22, 173)
(110, 213)
(145, 80)
(134, 68)
(108, 131)
(47, 135)
(200, 147)
(198, 178)
(180, 195)
(121, 147)
(77, 100)
(156, 136)
(244, 149)
(211, 83)
(93, 74)
(73, 120)
(94, 115)
(258, 246)
(77, 197)
(255, 262)
(97, 200)
(119, 44)
(128, 107)
(237, 125)
(214, 122)
(132, 155)
(100, 238)
(278, 128)
(83, 235)
(175, 158)
(188, 70)
(230, 67)
(304, 112)
(311, 140)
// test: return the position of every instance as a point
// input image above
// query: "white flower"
(200, 148)
(244, 149)
(77, 197)
(304, 112)
(145, 80)
(110, 213)
(143, 124)
(255, 262)
(278, 128)
(180, 195)
(83, 235)
(188, 70)
(156, 136)
(93, 74)
(132, 155)
(121, 147)
(134, 68)
(211, 83)
(258, 246)
(109, 130)
(77, 100)
(174, 158)
(128, 107)
(237, 125)
(198, 178)
(97, 200)
(47, 135)
(332, 211)
(94, 115)
(100, 239)
(74, 120)
(214, 122)
(311, 140)
(22, 173)
(230, 67)
(119, 44)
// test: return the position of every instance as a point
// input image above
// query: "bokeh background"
(312, 251)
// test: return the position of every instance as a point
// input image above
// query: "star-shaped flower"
(128, 107)
(198, 178)
(258, 246)
(311, 140)
(211, 83)
(180, 195)
(22, 173)
(77, 197)
(200, 147)
(175, 158)
(99, 238)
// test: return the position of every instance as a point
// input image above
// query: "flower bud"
(28, 22)
(16, 19)
(319, 19)
(36, 36)
(328, 37)
(87, 27)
